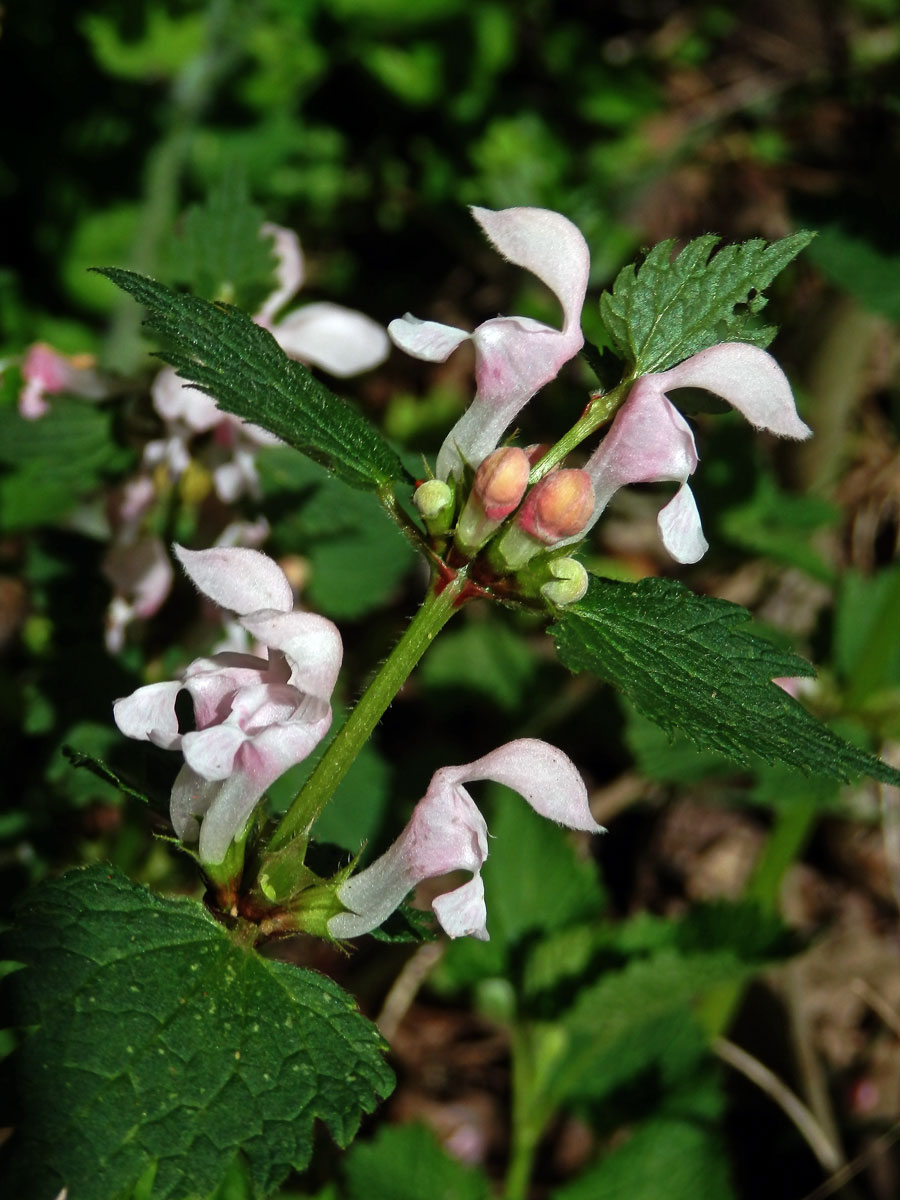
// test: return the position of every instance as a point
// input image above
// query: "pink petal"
(649, 442)
(680, 528)
(237, 578)
(749, 379)
(546, 777)
(149, 715)
(142, 571)
(289, 271)
(447, 832)
(339, 340)
(311, 644)
(514, 358)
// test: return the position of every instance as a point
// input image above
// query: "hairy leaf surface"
(686, 663)
(157, 1038)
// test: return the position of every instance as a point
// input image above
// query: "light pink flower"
(651, 442)
(47, 372)
(514, 356)
(141, 574)
(448, 833)
(339, 340)
(254, 717)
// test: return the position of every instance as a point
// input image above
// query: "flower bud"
(569, 582)
(432, 498)
(435, 501)
(556, 509)
(498, 487)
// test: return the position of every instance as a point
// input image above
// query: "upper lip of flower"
(514, 356)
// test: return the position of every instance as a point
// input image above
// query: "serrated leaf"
(669, 308)
(685, 663)
(219, 250)
(222, 351)
(157, 1038)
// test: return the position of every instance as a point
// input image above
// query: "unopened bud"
(497, 489)
(557, 508)
(500, 482)
(569, 582)
(432, 498)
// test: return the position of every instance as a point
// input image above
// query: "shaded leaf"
(156, 1037)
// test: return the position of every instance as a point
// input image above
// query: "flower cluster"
(649, 440)
(254, 717)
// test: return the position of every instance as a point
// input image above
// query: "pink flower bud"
(499, 485)
(500, 482)
(558, 507)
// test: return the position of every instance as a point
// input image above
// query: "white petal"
(237, 578)
(311, 644)
(749, 379)
(176, 400)
(547, 244)
(680, 528)
(462, 912)
(190, 799)
(149, 715)
(211, 752)
(339, 340)
(546, 777)
(289, 271)
(428, 340)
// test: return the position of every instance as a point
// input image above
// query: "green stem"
(597, 413)
(437, 609)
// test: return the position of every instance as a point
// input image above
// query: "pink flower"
(448, 833)
(650, 441)
(47, 372)
(514, 356)
(254, 717)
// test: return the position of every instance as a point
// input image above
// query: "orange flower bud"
(500, 481)
(558, 507)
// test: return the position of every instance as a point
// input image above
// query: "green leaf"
(220, 349)
(155, 1036)
(780, 525)
(219, 250)
(664, 1157)
(860, 268)
(669, 308)
(405, 1162)
(685, 663)
(54, 462)
(640, 1016)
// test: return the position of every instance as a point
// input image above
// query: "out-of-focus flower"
(649, 440)
(47, 372)
(254, 717)
(336, 339)
(514, 356)
(447, 833)
(141, 574)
